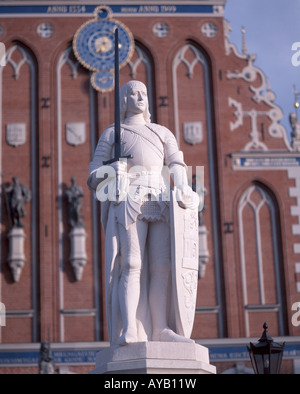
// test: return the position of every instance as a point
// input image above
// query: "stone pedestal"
(16, 257)
(296, 144)
(78, 257)
(154, 358)
(203, 250)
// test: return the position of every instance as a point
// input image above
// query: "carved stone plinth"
(16, 257)
(203, 250)
(78, 257)
(296, 144)
(154, 358)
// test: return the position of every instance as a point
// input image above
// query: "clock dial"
(103, 81)
(103, 12)
(94, 44)
(103, 44)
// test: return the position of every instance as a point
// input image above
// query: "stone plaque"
(16, 134)
(75, 133)
(192, 132)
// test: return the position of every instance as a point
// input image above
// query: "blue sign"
(69, 357)
(228, 353)
(235, 353)
(88, 356)
(260, 162)
(19, 358)
(270, 162)
(88, 9)
(74, 356)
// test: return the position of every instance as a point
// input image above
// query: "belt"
(146, 179)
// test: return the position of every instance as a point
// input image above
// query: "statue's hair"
(123, 100)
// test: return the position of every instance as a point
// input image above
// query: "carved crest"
(75, 133)
(192, 132)
(16, 134)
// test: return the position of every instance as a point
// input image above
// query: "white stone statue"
(295, 124)
(137, 222)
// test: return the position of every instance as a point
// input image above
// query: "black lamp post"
(266, 355)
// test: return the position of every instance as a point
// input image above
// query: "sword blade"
(117, 99)
(117, 115)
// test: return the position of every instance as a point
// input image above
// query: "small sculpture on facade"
(295, 124)
(78, 257)
(74, 196)
(46, 363)
(16, 196)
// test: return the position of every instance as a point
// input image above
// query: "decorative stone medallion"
(75, 133)
(192, 132)
(16, 134)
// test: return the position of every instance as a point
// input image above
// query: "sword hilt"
(117, 159)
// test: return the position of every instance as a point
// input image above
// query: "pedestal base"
(78, 257)
(16, 256)
(154, 358)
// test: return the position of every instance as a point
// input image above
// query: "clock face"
(103, 81)
(94, 44)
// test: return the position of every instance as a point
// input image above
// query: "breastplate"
(144, 145)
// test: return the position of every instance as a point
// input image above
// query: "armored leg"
(160, 282)
(132, 252)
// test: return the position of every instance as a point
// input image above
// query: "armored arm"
(103, 152)
(186, 197)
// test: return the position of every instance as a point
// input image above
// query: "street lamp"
(266, 355)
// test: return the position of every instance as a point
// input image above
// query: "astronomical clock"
(94, 47)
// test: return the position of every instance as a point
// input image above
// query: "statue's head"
(125, 91)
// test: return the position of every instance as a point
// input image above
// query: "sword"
(118, 155)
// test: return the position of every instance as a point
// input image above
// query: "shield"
(184, 253)
(193, 132)
(16, 134)
(75, 133)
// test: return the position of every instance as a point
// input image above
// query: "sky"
(272, 26)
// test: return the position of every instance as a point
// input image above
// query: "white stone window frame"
(262, 306)
(200, 58)
(26, 58)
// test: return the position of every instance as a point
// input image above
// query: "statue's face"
(137, 100)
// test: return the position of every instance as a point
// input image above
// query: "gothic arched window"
(194, 130)
(19, 158)
(260, 260)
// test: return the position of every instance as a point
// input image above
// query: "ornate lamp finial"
(244, 47)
